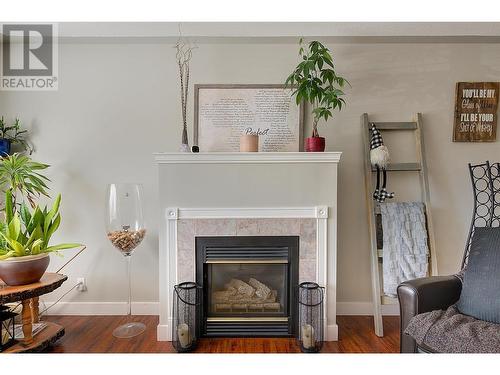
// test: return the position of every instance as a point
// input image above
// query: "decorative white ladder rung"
(419, 166)
(402, 167)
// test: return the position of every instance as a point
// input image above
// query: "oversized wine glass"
(126, 230)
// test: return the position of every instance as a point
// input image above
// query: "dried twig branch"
(183, 57)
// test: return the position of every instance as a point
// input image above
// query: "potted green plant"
(23, 177)
(26, 230)
(10, 135)
(315, 82)
(25, 241)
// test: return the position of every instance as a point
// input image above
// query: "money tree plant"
(315, 81)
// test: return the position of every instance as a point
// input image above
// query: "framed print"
(223, 113)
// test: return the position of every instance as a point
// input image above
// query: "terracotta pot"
(23, 270)
(314, 144)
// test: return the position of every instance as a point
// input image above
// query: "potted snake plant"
(316, 82)
(26, 230)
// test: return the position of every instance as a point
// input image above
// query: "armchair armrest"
(423, 295)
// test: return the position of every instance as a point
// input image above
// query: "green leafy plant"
(22, 176)
(15, 135)
(316, 82)
(29, 232)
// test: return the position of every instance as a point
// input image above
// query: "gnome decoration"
(379, 157)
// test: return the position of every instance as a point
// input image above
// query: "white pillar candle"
(308, 340)
(183, 335)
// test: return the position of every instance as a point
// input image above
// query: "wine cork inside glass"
(249, 143)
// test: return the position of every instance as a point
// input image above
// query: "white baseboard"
(332, 332)
(152, 308)
(163, 332)
(364, 308)
(101, 308)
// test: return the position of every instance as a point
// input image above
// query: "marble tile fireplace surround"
(248, 194)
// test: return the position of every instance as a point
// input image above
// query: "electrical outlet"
(82, 285)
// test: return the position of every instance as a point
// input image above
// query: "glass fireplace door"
(249, 285)
(247, 289)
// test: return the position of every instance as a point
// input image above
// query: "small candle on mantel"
(183, 335)
(249, 143)
(308, 340)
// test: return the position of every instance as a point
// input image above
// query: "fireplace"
(249, 285)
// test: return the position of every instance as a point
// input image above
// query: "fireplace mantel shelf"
(246, 157)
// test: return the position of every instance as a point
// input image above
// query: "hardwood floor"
(93, 334)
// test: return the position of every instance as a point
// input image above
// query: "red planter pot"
(314, 144)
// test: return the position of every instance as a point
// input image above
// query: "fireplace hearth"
(249, 285)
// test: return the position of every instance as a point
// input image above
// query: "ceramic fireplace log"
(261, 290)
(241, 296)
(241, 286)
(224, 297)
(247, 307)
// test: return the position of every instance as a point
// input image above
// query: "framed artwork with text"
(476, 106)
(224, 112)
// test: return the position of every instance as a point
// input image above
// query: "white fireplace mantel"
(247, 157)
(248, 186)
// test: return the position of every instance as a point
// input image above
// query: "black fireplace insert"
(249, 285)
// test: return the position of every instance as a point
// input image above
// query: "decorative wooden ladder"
(374, 209)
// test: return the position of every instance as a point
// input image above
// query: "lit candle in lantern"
(308, 340)
(183, 335)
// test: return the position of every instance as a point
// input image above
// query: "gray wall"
(119, 103)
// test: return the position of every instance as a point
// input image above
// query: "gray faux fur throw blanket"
(451, 332)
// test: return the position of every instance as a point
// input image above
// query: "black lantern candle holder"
(187, 299)
(311, 317)
(7, 328)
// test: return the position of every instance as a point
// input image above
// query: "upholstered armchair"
(424, 295)
(440, 292)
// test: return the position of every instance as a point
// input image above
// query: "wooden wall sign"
(476, 106)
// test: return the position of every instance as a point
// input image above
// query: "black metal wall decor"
(187, 298)
(485, 179)
(311, 317)
(7, 328)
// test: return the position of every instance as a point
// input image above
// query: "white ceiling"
(280, 29)
(283, 32)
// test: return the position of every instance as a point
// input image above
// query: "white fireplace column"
(237, 186)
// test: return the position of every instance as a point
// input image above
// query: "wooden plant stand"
(28, 295)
